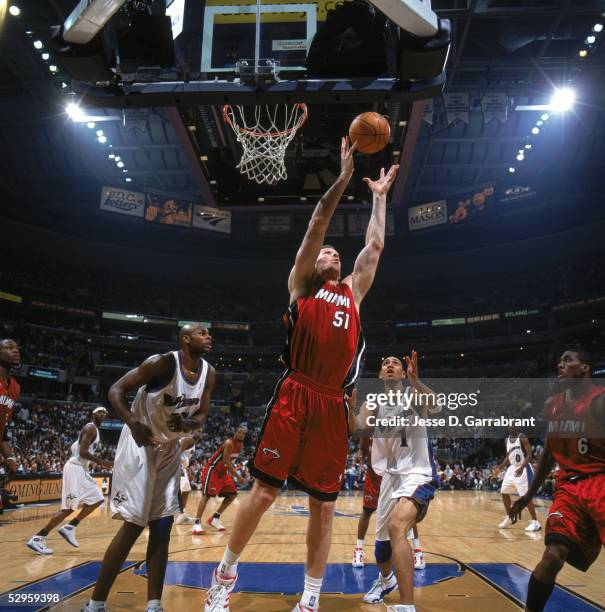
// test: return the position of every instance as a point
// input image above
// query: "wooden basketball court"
(471, 564)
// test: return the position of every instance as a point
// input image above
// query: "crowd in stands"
(441, 293)
(42, 432)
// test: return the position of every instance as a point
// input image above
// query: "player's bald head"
(195, 337)
(187, 330)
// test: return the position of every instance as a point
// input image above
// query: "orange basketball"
(370, 131)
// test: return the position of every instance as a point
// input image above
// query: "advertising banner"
(122, 201)
(168, 210)
(211, 219)
(427, 215)
(471, 205)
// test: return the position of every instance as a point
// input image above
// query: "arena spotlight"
(597, 27)
(128, 179)
(545, 117)
(511, 170)
(102, 139)
(535, 130)
(74, 111)
(539, 123)
(118, 158)
(583, 53)
(590, 40)
(14, 10)
(562, 100)
(99, 132)
(520, 157)
(120, 164)
(111, 156)
(528, 146)
(53, 68)
(46, 56)
(91, 125)
(38, 44)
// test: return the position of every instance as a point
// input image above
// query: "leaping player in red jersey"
(217, 480)
(304, 436)
(575, 525)
(9, 394)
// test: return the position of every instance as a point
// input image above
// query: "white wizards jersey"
(153, 406)
(401, 450)
(75, 449)
(515, 451)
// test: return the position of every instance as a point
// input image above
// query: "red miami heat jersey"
(216, 461)
(9, 394)
(575, 455)
(325, 341)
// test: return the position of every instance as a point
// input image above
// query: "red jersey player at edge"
(10, 356)
(575, 525)
(304, 436)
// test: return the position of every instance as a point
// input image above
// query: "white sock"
(96, 605)
(310, 596)
(228, 566)
(416, 543)
(388, 577)
(154, 603)
(359, 543)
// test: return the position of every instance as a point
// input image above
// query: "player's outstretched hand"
(382, 184)
(142, 435)
(346, 157)
(411, 369)
(518, 507)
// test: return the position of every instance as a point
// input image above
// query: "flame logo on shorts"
(555, 515)
(268, 454)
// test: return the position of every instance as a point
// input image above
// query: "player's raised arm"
(303, 271)
(427, 398)
(154, 369)
(367, 261)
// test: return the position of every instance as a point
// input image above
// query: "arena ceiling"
(51, 166)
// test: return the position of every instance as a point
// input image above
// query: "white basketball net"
(265, 135)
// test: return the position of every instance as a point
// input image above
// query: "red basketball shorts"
(577, 519)
(217, 484)
(304, 437)
(371, 490)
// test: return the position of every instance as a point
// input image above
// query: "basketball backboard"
(285, 32)
(285, 29)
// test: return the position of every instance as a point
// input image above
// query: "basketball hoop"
(264, 143)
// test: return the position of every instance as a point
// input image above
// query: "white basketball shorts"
(145, 480)
(78, 488)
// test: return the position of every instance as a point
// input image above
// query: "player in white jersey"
(518, 476)
(173, 396)
(78, 489)
(187, 448)
(404, 459)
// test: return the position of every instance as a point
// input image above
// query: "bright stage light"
(562, 100)
(75, 112)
